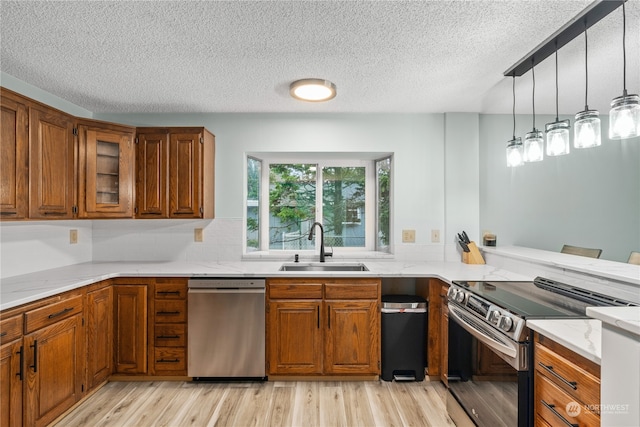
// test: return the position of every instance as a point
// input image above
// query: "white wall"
(590, 197)
(462, 188)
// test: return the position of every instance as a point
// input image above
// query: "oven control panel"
(499, 318)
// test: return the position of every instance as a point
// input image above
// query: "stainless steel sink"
(323, 267)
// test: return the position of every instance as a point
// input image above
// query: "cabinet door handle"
(318, 315)
(549, 368)
(3, 334)
(55, 213)
(20, 373)
(167, 313)
(35, 356)
(329, 316)
(552, 408)
(167, 361)
(169, 292)
(60, 313)
(167, 337)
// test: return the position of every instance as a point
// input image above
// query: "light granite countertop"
(582, 336)
(18, 290)
(625, 318)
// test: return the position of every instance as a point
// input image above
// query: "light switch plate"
(197, 235)
(435, 236)
(408, 236)
(73, 236)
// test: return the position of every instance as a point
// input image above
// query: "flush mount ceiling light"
(313, 90)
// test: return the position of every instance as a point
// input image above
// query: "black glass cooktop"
(526, 300)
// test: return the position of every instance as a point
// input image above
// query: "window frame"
(321, 160)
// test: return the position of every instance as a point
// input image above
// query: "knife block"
(473, 256)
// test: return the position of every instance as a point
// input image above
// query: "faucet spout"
(322, 254)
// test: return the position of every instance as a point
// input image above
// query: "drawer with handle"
(52, 313)
(557, 408)
(170, 335)
(171, 311)
(170, 290)
(170, 359)
(568, 376)
(10, 329)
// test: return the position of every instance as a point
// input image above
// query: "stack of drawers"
(170, 327)
(567, 386)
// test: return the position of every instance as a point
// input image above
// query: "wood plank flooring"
(277, 403)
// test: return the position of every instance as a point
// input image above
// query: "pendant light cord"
(514, 106)
(624, 51)
(586, 68)
(533, 96)
(556, 80)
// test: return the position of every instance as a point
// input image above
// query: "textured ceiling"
(240, 56)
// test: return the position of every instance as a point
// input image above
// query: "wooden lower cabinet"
(295, 337)
(444, 335)
(323, 327)
(99, 328)
(352, 339)
(567, 386)
(168, 328)
(130, 326)
(11, 371)
(54, 366)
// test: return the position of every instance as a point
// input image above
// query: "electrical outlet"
(408, 236)
(197, 235)
(435, 236)
(73, 236)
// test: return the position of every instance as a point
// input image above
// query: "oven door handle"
(474, 329)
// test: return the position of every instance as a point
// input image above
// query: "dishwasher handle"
(228, 291)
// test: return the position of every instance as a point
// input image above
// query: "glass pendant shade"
(533, 146)
(586, 129)
(515, 153)
(557, 138)
(624, 117)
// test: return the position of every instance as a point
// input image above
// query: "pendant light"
(586, 129)
(514, 146)
(624, 117)
(533, 141)
(558, 131)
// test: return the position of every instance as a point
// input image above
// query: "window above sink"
(348, 193)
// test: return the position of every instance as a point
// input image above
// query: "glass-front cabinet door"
(106, 160)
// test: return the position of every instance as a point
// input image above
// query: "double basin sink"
(299, 266)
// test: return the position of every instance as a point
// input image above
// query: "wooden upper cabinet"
(175, 173)
(152, 184)
(14, 158)
(51, 164)
(105, 165)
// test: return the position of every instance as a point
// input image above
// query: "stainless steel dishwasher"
(226, 335)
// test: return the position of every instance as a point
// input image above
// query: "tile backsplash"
(167, 240)
(29, 246)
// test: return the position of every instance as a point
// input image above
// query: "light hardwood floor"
(277, 403)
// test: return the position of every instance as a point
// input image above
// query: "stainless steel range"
(488, 319)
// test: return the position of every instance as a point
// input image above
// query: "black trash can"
(404, 337)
